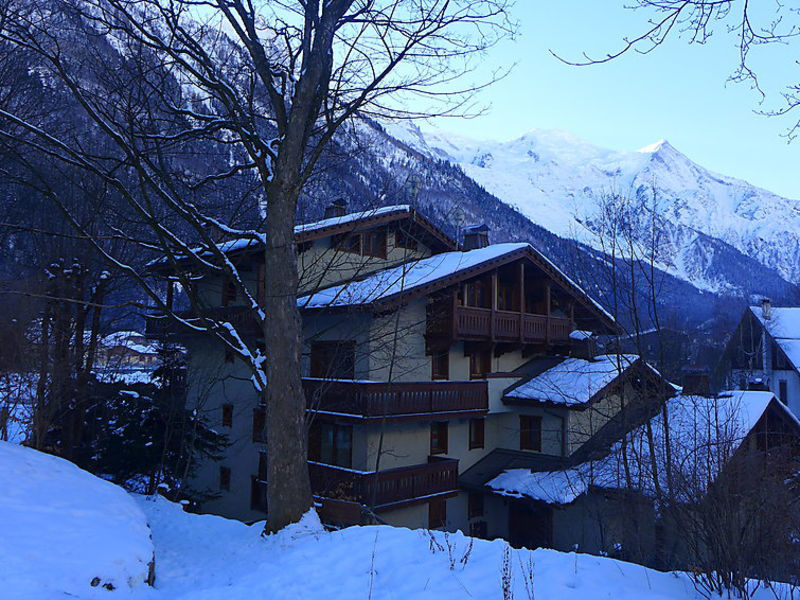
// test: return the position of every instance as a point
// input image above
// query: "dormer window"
(373, 243)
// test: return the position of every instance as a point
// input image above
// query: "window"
(478, 529)
(439, 437)
(258, 485)
(440, 365)
(479, 294)
(437, 514)
(228, 291)
(476, 427)
(335, 359)
(225, 479)
(530, 433)
(480, 363)
(348, 242)
(259, 423)
(260, 285)
(403, 239)
(227, 415)
(474, 505)
(373, 243)
(331, 443)
(783, 392)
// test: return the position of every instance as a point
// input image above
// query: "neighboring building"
(422, 361)
(764, 353)
(608, 504)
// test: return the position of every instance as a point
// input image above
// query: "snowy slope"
(558, 180)
(213, 558)
(63, 529)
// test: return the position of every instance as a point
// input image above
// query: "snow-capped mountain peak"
(559, 181)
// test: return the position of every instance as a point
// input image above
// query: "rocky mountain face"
(564, 184)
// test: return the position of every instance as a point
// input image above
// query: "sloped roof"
(784, 327)
(331, 226)
(574, 381)
(704, 433)
(426, 275)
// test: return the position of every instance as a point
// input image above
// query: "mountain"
(562, 182)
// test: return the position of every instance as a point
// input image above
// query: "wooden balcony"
(479, 324)
(401, 401)
(392, 488)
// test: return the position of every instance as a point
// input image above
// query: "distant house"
(608, 503)
(425, 361)
(764, 352)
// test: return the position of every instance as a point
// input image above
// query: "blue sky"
(679, 92)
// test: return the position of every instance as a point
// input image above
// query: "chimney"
(583, 345)
(476, 236)
(696, 381)
(766, 309)
(337, 208)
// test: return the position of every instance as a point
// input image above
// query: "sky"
(679, 92)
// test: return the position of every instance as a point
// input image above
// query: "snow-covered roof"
(784, 321)
(408, 276)
(254, 239)
(352, 217)
(784, 327)
(575, 381)
(704, 433)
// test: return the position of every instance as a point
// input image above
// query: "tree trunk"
(288, 484)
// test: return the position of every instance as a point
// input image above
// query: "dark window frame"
(227, 415)
(440, 365)
(259, 425)
(373, 243)
(477, 433)
(530, 433)
(783, 391)
(475, 505)
(333, 359)
(315, 443)
(439, 437)
(437, 514)
(480, 364)
(225, 479)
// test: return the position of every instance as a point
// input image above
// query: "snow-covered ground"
(63, 527)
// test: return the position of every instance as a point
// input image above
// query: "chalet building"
(424, 361)
(608, 504)
(764, 353)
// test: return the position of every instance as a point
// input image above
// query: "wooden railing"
(396, 400)
(403, 485)
(507, 326)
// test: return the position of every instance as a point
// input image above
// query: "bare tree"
(751, 26)
(267, 85)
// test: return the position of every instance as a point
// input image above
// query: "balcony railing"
(391, 488)
(397, 401)
(505, 326)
